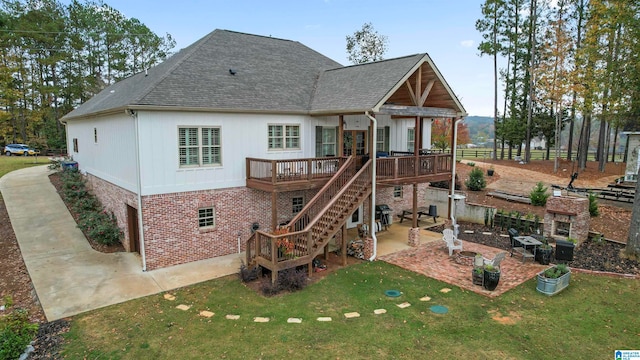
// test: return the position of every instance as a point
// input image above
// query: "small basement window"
(297, 204)
(207, 217)
(397, 191)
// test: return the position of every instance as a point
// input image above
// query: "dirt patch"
(510, 319)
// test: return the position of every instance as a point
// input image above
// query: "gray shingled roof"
(360, 87)
(271, 75)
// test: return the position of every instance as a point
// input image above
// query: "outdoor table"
(525, 241)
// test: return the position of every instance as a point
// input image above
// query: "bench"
(431, 211)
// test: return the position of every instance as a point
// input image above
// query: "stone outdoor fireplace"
(567, 217)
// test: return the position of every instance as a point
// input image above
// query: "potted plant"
(283, 244)
(554, 279)
(544, 253)
(477, 275)
(490, 171)
(491, 277)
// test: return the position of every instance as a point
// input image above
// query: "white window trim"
(284, 137)
(206, 217)
(294, 205)
(200, 146)
(411, 141)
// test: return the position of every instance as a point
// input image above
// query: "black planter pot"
(543, 256)
(490, 172)
(491, 279)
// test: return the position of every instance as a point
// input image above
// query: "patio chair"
(452, 242)
(495, 262)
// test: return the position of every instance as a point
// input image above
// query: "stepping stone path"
(206, 314)
(504, 235)
(486, 233)
(468, 231)
(349, 315)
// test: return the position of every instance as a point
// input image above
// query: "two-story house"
(206, 153)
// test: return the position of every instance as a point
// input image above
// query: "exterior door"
(134, 233)
(355, 142)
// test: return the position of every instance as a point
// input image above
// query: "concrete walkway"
(68, 275)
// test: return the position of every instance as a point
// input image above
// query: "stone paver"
(379, 311)
(206, 314)
(324, 319)
(232, 317)
(351, 315)
(403, 305)
(259, 319)
(183, 307)
(432, 260)
(294, 321)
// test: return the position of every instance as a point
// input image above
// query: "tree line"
(54, 57)
(563, 63)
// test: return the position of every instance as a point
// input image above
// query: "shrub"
(86, 203)
(539, 195)
(288, 280)
(246, 274)
(593, 205)
(476, 181)
(471, 163)
(292, 279)
(15, 334)
(100, 226)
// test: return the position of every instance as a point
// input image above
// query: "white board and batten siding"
(242, 136)
(112, 157)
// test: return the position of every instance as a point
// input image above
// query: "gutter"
(134, 116)
(453, 176)
(373, 187)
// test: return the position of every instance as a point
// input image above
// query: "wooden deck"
(310, 173)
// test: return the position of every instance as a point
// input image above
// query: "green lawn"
(11, 163)
(589, 320)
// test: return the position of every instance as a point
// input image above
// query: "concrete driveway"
(68, 275)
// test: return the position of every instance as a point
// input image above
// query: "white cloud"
(466, 43)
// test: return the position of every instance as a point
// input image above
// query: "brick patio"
(432, 259)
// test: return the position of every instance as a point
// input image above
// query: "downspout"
(374, 128)
(453, 176)
(134, 115)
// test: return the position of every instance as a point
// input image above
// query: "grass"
(589, 319)
(11, 163)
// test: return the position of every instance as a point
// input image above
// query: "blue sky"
(445, 29)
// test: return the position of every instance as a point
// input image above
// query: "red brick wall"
(172, 234)
(385, 196)
(114, 199)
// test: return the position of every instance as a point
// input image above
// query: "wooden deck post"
(343, 251)
(415, 206)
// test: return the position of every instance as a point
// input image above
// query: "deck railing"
(412, 166)
(282, 171)
(394, 167)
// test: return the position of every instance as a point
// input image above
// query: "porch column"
(450, 201)
(415, 205)
(340, 152)
(274, 210)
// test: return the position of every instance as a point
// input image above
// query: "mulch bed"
(604, 256)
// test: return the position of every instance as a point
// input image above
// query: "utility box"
(69, 165)
(564, 250)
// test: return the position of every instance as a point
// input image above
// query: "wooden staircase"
(312, 228)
